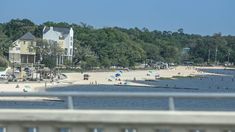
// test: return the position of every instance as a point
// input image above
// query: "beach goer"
(24, 90)
(134, 79)
(17, 86)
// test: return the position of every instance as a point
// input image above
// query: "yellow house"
(22, 51)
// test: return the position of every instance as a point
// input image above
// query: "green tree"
(105, 47)
(48, 52)
(17, 27)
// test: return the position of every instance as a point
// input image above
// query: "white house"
(64, 37)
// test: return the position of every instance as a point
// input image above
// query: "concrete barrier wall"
(115, 121)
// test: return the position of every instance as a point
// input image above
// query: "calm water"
(205, 84)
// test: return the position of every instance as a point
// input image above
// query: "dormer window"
(61, 37)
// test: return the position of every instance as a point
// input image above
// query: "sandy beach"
(106, 78)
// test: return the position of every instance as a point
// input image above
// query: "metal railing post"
(171, 104)
(45, 84)
(70, 103)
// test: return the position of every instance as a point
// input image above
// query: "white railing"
(171, 96)
(75, 120)
(115, 121)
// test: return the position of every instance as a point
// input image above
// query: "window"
(129, 130)
(163, 130)
(65, 51)
(71, 38)
(229, 131)
(24, 42)
(61, 37)
(97, 130)
(23, 58)
(2, 129)
(30, 49)
(64, 130)
(30, 58)
(32, 129)
(71, 43)
(196, 130)
(17, 48)
(71, 51)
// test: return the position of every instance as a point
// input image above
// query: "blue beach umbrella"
(117, 75)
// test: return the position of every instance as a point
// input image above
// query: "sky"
(204, 17)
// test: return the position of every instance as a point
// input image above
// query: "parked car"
(3, 76)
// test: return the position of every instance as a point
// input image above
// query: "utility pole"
(228, 56)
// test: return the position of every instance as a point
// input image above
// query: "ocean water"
(224, 83)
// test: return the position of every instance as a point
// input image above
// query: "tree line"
(115, 46)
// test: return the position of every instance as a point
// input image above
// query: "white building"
(64, 37)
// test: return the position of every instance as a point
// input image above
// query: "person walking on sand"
(134, 79)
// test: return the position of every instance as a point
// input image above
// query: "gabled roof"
(64, 31)
(27, 36)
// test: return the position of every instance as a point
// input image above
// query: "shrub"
(3, 62)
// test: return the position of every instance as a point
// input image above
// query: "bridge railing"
(171, 96)
(75, 120)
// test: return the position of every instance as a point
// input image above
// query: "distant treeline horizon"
(115, 46)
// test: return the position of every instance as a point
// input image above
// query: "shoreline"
(106, 78)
